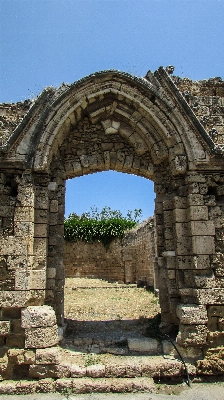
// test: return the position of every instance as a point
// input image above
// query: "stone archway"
(142, 126)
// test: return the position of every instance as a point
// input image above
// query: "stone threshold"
(108, 374)
(68, 386)
(65, 371)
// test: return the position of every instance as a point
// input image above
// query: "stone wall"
(206, 99)
(139, 253)
(129, 260)
(93, 260)
(10, 116)
(150, 127)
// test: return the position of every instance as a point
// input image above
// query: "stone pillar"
(165, 260)
(199, 287)
(24, 278)
(55, 269)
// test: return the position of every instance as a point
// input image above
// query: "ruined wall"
(10, 116)
(129, 260)
(93, 260)
(206, 99)
(144, 126)
(139, 253)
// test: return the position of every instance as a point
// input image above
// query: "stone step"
(120, 345)
(75, 365)
(58, 369)
(79, 386)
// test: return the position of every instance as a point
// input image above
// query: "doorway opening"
(109, 300)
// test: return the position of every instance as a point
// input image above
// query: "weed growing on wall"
(101, 226)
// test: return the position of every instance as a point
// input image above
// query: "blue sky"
(47, 42)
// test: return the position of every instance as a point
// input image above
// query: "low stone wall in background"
(129, 260)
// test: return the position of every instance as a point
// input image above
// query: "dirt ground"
(99, 300)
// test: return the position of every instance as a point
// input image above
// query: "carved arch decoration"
(150, 113)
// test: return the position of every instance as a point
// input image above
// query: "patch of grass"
(92, 359)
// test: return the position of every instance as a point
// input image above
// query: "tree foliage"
(101, 226)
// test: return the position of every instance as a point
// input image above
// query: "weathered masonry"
(165, 129)
(129, 260)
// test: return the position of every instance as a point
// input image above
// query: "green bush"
(104, 226)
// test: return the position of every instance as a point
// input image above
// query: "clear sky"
(47, 42)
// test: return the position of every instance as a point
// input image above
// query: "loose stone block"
(41, 337)
(143, 345)
(38, 316)
(192, 314)
(45, 385)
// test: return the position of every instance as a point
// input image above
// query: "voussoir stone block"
(38, 316)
